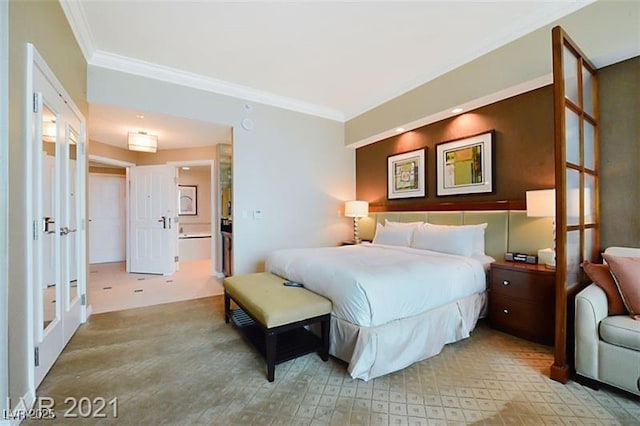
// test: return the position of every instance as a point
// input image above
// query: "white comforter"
(371, 285)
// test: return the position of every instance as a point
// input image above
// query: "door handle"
(46, 221)
(164, 222)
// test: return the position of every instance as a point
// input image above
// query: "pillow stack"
(620, 280)
(461, 240)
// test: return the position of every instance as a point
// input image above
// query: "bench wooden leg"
(227, 306)
(325, 326)
(271, 339)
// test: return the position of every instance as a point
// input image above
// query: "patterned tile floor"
(180, 363)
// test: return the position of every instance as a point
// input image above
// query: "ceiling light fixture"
(399, 129)
(186, 168)
(457, 110)
(141, 141)
(139, 116)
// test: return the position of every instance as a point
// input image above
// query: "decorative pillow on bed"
(601, 276)
(393, 235)
(476, 231)
(626, 274)
(444, 239)
(387, 222)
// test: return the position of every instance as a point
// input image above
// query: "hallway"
(111, 288)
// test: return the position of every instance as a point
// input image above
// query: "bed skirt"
(375, 351)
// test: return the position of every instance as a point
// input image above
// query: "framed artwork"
(406, 175)
(188, 200)
(465, 166)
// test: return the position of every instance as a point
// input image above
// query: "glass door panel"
(570, 75)
(49, 215)
(573, 197)
(589, 146)
(72, 219)
(572, 137)
(587, 91)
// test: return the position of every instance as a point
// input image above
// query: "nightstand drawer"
(535, 288)
(533, 322)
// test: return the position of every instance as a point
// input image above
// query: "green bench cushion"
(271, 303)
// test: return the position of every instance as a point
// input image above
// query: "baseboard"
(88, 313)
(15, 416)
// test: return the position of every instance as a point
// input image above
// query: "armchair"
(607, 348)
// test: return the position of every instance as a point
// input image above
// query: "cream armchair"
(607, 348)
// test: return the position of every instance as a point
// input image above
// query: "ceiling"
(328, 58)
(109, 124)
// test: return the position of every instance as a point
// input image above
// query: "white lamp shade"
(356, 208)
(541, 203)
(142, 142)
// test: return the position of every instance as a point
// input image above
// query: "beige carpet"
(181, 364)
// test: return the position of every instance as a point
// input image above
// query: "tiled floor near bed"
(180, 363)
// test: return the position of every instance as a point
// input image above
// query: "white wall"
(4, 213)
(293, 167)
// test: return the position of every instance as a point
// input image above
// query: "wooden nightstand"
(522, 300)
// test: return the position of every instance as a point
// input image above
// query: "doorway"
(112, 285)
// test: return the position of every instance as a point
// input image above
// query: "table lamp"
(356, 209)
(542, 203)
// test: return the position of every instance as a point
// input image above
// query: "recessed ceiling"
(333, 59)
(110, 125)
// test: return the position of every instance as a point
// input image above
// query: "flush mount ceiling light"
(141, 141)
(399, 129)
(457, 110)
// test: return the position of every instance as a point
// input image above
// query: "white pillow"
(393, 235)
(387, 222)
(478, 235)
(444, 239)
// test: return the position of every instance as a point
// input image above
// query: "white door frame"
(4, 211)
(127, 166)
(215, 214)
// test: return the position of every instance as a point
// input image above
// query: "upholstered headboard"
(507, 230)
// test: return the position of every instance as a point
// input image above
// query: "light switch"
(257, 214)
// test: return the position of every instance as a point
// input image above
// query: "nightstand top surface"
(519, 266)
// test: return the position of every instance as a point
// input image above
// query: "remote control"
(292, 284)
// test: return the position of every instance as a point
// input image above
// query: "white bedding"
(372, 284)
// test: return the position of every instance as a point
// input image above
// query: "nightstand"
(522, 300)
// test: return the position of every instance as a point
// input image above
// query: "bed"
(383, 295)
(398, 301)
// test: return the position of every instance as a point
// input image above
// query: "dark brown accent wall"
(523, 151)
(619, 96)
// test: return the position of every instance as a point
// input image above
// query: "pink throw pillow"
(626, 274)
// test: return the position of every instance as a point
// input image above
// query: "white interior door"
(57, 184)
(153, 219)
(107, 224)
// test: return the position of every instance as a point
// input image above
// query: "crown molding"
(79, 26)
(500, 95)
(172, 75)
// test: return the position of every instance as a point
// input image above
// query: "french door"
(58, 239)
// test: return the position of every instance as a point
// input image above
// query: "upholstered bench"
(273, 317)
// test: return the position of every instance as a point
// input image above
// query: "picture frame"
(406, 174)
(187, 200)
(465, 166)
